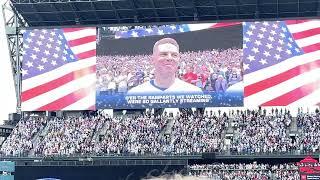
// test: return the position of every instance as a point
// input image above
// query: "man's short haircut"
(165, 41)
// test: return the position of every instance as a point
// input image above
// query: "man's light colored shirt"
(178, 86)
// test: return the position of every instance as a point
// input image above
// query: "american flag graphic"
(58, 69)
(170, 29)
(281, 63)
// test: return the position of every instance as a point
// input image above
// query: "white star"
(50, 39)
(149, 30)
(44, 60)
(275, 26)
(250, 58)
(29, 40)
(263, 61)
(57, 48)
(249, 33)
(265, 23)
(29, 64)
(269, 45)
(60, 37)
(271, 38)
(41, 36)
(252, 26)
(46, 52)
(245, 66)
(134, 34)
(281, 41)
(266, 53)
(65, 52)
(297, 49)
(282, 35)
(59, 42)
(284, 29)
(40, 67)
(245, 46)
(181, 29)
(263, 29)
(246, 39)
(24, 72)
(23, 52)
(71, 56)
(277, 56)
(36, 49)
(289, 45)
(64, 58)
(160, 32)
(54, 63)
(288, 52)
(33, 56)
(273, 32)
(260, 36)
(23, 31)
(55, 55)
(32, 34)
(290, 39)
(39, 43)
(26, 46)
(173, 27)
(257, 42)
(53, 33)
(255, 50)
(48, 46)
(44, 31)
(279, 49)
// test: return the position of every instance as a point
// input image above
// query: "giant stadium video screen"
(269, 63)
(179, 65)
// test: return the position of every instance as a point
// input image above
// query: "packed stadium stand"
(244, 132)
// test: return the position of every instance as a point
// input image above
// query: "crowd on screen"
(253, 132)
(245, 171)
(210, 70)
(19, 141)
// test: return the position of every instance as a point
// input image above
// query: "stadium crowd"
(211, 70)
(309, 125)
(66, 136)
(245, 171)
(20, 140)
(253, 132)
(132, 135)
(262, 134)
(197, 133)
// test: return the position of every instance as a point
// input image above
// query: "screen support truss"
(14, 24)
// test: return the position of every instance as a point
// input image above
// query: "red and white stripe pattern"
(70, 86)
(293, 82)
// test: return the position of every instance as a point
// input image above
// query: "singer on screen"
(165, 59)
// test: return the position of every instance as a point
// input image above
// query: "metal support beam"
(175, 10)
(155, 10)
(115, 12)
(257, 12)
(195, 11)
(93, 7)
(318, 14)
(216, 6)
(13, 24)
